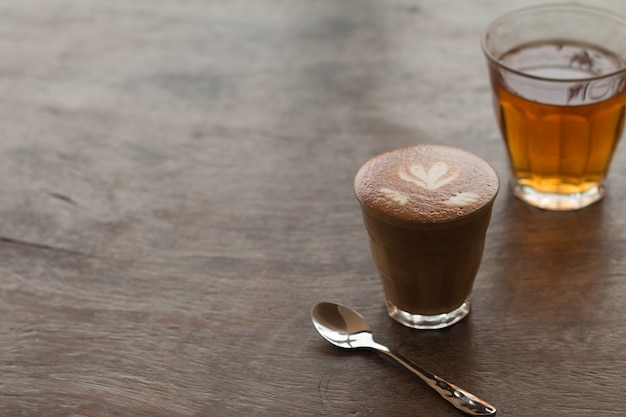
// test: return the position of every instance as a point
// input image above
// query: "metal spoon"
(346, 328)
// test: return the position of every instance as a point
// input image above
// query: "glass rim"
(598, 11)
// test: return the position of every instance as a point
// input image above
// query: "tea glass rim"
(598, 11)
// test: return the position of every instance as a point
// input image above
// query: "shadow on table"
(551, 262)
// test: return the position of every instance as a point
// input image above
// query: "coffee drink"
(426, 209)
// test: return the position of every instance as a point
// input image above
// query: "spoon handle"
(456, 396)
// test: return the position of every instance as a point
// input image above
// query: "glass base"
(558, 202)
(421, 321)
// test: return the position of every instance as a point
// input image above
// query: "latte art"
(394, 195)
(426, 183)
(436, 177)
(462, 199)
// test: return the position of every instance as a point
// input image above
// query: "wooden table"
(176, 182)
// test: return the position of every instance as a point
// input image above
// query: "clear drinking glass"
(558, 79)
(426, 209)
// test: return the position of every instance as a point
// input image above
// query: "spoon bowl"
(345, 328)
(341, 326)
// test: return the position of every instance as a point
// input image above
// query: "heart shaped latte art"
(436, 177)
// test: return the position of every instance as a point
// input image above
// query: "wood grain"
(176, 182)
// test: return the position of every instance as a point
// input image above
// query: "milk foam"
(426, 183)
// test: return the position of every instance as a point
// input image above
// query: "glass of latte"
(426, 209)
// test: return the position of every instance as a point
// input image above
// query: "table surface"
(176, 183)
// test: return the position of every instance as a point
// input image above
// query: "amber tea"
(558, 145)
(559, 103)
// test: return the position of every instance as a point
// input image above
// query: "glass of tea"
(558, 75)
